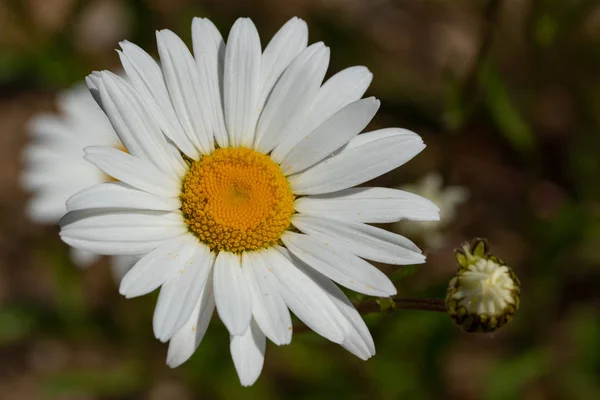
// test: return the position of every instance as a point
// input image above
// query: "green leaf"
(504, 111)
(386, 304)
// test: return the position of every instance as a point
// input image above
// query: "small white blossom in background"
(447, 198)
(54, 168)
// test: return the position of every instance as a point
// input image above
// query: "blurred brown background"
(506, 95)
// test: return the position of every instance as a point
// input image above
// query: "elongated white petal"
(183, 83)
(137, 131)
(120, 195)
(370, 204)
(125, 225)
(133, 171)
(181, 292)
(359, 341)
(209, 53)
(285, 45)
(345, 87)
(268, 307)
(339, 265)
(379, 134)
(234, 302)
(183, 344)
(248, 354)
(241, 83)
(297, 86)
(377, 153)
(147, 78)
(156, 267)
(332, 134)
(304, 297)
(363, 240)
(112, 247)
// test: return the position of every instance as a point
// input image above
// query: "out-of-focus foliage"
(506, 94)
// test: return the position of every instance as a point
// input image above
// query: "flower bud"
(484, 294)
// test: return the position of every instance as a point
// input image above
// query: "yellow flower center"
(236, 200)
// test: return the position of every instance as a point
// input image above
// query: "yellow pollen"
(236, 200)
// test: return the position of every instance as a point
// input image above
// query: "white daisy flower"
(54, 168)
(247, 205)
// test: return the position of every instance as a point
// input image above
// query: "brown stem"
(437, 305)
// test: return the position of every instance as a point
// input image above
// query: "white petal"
(379, 134)
(188, 338)
(339, 265)
(209, 53)
(112, 232)
(343, 88)
(359, 342)
(113, 247)
(83, 259)
(304, 297)
(180, 293)
(183, 82)
(133, 171)
(285, 45)
(234, 302)
(147, 78)
(370, 204)
(332, 134)
(130, 227)
(375, 154)
(248, 354)
(268, 307)
(137, 131)
(120, 195)
(156, 267)
(298, 85)
(241, 82)
(363, 240)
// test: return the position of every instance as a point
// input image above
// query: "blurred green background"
(506, 95)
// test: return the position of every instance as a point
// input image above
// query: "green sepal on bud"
(484, 294)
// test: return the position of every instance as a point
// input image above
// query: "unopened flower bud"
(484, 294)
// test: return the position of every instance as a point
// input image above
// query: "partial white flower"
(54, 168)
(448, 198)
(240, 205)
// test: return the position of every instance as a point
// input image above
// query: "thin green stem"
(436, 305)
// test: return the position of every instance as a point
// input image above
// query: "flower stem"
(436, 305)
